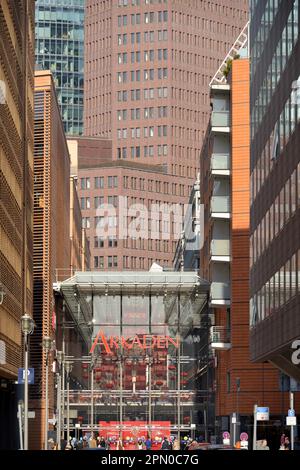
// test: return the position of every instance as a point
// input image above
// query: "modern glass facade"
(59, 48)
(146, 349)
(275, 175)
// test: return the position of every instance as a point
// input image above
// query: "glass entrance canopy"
(142, 330)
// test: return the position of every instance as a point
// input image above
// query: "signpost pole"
(255, 428)
(292, 427)
(234, 418)
(26, 394)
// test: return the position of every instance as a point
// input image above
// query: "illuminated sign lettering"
(141, 341)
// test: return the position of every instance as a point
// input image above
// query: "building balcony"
(220, 121)
(219, 293)
(220, 207)
(220, 250)
(220, 337)
(220, 164)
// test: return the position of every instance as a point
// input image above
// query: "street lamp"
(27, 327)
(68, 366)
(60, 356)
(47, 346)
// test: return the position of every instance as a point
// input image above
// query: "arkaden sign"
(143, 342)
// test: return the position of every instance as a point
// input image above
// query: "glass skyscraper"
(275, 182)
(59, 48)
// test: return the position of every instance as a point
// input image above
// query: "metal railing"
(219, 334)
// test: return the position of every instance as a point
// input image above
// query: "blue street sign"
(291, 413)
(263, 413)
(21, 376)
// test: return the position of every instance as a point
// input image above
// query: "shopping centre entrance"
(143, 336)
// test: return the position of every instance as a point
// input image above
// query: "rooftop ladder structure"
(240, 43)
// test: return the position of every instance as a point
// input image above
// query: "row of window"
(112, 262)
(99, 242)
(148, 151)
(149, 36)
(148, 113)
(162, 111)
(134, 243)
(149, 56)
(109, 223)
(135, 132)
(148, 74)
(129, 262)
(112, 182)
(85, 202)
(283, 51)
(149, 17)
(125, 3)
(277, 141)
(282, 209)
(277, 291)
(131, 182)
(135, 95)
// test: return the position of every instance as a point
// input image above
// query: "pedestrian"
(148, 443)
(287, 444)
(176, 444)
(102, 443)
(166, 445)
(140, 445)
(262, 445)
(119, 444)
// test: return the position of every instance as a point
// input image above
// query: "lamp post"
(68, 367)
(60, 359)
(27, 326)
(47, 346)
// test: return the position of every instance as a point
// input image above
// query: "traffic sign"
(291, 413)
(226, 435)
(21, 376)
(291, 421)
(244, 436)
(263, 413)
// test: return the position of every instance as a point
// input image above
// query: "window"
(99, 182)
(113, 200)
(112, 261)
(98, 201)
(86, 223)
(98, 242)
(112, 242)
(112, 181)
(85, 203)
(99, 262)
(85, 183)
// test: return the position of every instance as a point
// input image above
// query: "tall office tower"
(147, 68)
(16, 200)
(275, 182)
(51, 242)
(59, 47)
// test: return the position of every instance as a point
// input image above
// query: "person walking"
(148, 443)
(176, 444)
(119, 444)
(166, 445)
